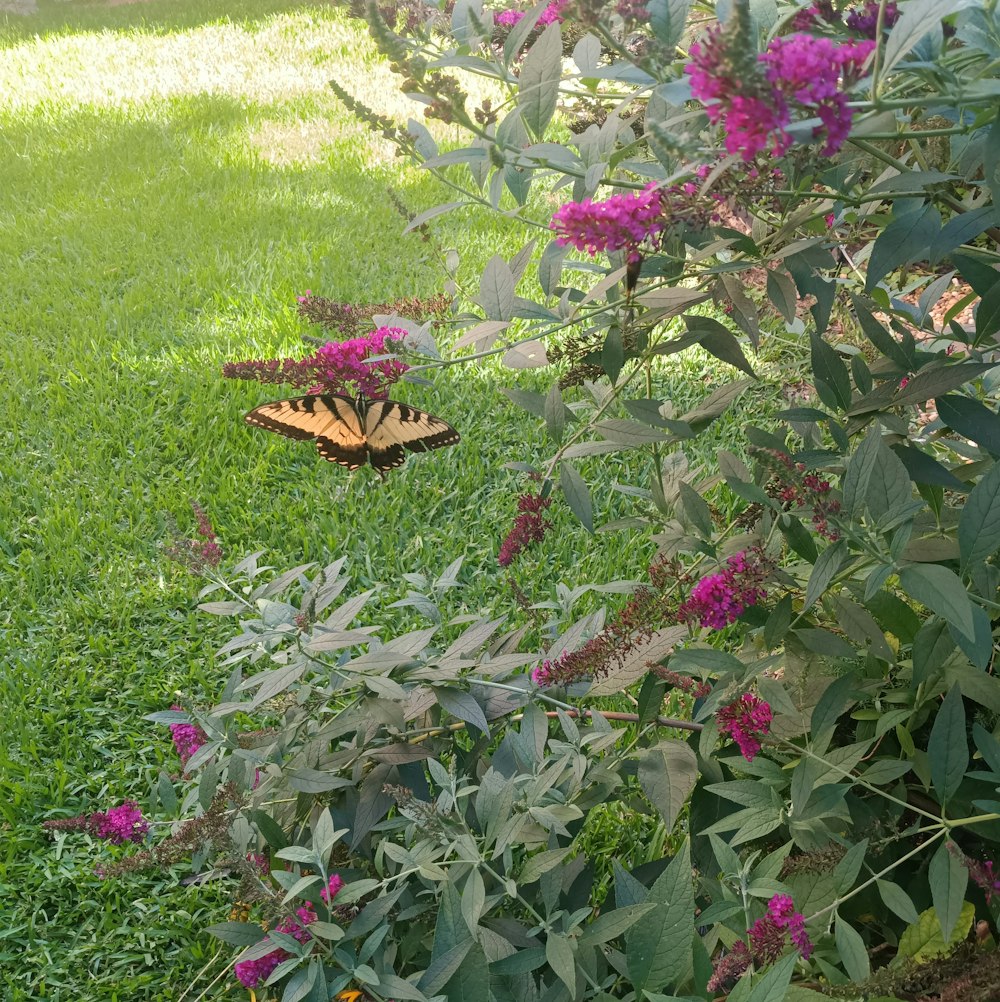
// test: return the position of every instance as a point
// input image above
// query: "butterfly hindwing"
(392, 427)
(329, 418)
(381, 431)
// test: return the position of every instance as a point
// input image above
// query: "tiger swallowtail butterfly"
(355, 432)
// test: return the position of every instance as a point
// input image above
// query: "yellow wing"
(392, 427)
(329, 418)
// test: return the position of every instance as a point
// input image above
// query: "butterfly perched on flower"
(355, 432)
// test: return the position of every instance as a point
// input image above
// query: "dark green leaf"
(781, 292)
(979, 647)
(948, 879)
(979, 273)
(971, 420)
(628, 890)
(948, 748)
(799, 538)
(658, 949)
(559, 954)
(611, 924)
(942, 591)
(555, 414)
(897, 900)
(979, 523)
(550, 267)
(829, 707)
(988, 315)
(237, 933)
(613, 354)
(463, 706)
(851, 950)
(905, 239)
(961, 228)
(824, 571)
(471, 982)
(717, 339)
(523, 962)
(924, 469)
(881, 337)
(667, 774)
(931, 648)
(577, 495)
(833, 381)
(696, 509)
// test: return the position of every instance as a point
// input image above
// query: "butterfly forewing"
(380, 433)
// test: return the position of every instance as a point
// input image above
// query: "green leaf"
(471, 981)
(613, 353)
(658, 950)
(696, 509)
(610, 925)
(830, 374)
(719, 341)
(541, 863)
(559, 954)
(577, 495)
(931, 647)
(948, 749)
(462, 705)
(881, 337)
(851, 950)
(897, 900)
(942, 591)
(905, 239)
(496, 289)
(237, 933)
(988, 315)
(667, 775)
(628, 890)
(523, 962)
(538, 83)
(824, 571)
(781, 292)
(772, 986)
(971, 420)
(858, 475)
(962, 228)
(555, 414)
(948, 879)
(979, 523)
(923, 940)
(667, 19)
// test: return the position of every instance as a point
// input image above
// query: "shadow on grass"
(152, 17)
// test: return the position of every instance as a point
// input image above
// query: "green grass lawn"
(171, 175)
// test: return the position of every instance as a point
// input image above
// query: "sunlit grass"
(171, 176)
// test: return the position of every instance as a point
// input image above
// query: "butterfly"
(354, 432)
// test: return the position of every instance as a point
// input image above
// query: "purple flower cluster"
(124, 823)
(746, 720)
(864, 19)
(720, 599)
(807, 69)
(982, 872)
(336, 367)
(251, 973)
(767, 938)
(188, 738)
(621, 222)
(797, 71)
(197, 555)
(529, 527)
(552, 13)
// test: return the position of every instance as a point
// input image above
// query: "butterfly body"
(355, 432)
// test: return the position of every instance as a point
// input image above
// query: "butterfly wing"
(329, 418)
(392, 427)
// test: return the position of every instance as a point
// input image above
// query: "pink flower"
(336, 367)
(720, 599)
(551, 14)
(124, 823)
(746, 720)
(753, 100)
(198, 555)
(782, 911)
(541, 674)
(621, 222)
(188, 738)
(529, 527)
(305, 297)
(251, 973)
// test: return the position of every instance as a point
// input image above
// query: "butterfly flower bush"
(790, 726)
